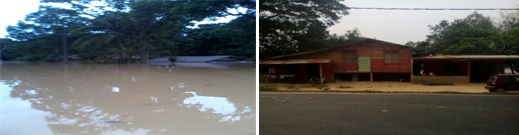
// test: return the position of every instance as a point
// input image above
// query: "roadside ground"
(390, 87)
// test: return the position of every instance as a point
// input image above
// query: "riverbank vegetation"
(131, 30)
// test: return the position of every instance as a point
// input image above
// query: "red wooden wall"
(374, 50)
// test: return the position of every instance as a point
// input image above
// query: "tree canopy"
(475, 34)
(119, 29)
(296, 26)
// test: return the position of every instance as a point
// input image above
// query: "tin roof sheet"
(437, 57)
(324, 49)
(294, 61)
(195, 58)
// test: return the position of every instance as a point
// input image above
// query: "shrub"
(291, 86)
(345, 87)
(268, 88)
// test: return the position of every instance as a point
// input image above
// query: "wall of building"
(375, 51)
(293, 73)
(371, 50)
(438, 67)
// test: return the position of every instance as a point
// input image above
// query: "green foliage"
(138, 28)
(472, 35)
(296, 26)
(267, 87)
(509, 39)
(31, 58)
(348, 37)
(172, 59)
(4, 44)
(345, 87)
(234, 38)
(291, 86)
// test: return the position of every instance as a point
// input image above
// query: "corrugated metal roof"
(295, 61)
(196, 58)
(437, 57)
(324, 49)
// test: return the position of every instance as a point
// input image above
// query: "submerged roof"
(199, 58)
(489, 57)
(324, 49)
(295, 61)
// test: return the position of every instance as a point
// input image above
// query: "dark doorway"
(480, 72)
(474, 71)
(417, 67)
(312, 70)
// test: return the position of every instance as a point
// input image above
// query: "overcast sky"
(400, 26)
(13, 10)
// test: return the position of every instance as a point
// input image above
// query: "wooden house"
(202, 59)
(365, 60)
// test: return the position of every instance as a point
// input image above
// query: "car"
(503, 83)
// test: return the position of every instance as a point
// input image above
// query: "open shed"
(458, 68)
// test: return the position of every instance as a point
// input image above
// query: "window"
(452, 69)
(510, 79)
(350, 56)
(391, 56)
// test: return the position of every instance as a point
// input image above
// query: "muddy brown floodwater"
(52, 98)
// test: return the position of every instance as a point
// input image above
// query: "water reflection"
(219, 105)
(122, 99)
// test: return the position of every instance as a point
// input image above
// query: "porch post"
(371, 76)
(321, 73)
(468, 70)
(412, 70)
(504, 67)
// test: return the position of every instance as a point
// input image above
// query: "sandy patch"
(380, 87)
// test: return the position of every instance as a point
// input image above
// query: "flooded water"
(50, 98)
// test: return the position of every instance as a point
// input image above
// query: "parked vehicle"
(503, 83)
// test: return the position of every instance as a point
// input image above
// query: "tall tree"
(509, 39)
(234, 38)
(474, 34)
(294, 26)
(122, 27)
(48, 20)
(348, 37)
(160, 22)
(4, 43)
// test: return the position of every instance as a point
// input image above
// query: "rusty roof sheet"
(294, 61)
(324, 49)
(438, 57)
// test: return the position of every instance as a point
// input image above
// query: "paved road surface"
(387, 113)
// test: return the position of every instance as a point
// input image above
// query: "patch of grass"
(291, 86)
(268, 88)
(345, 87)
(326, 88)
(321, 86)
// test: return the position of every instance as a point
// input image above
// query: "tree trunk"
(142, 50)
(512, 68)
(65, 52)
(1, 50)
